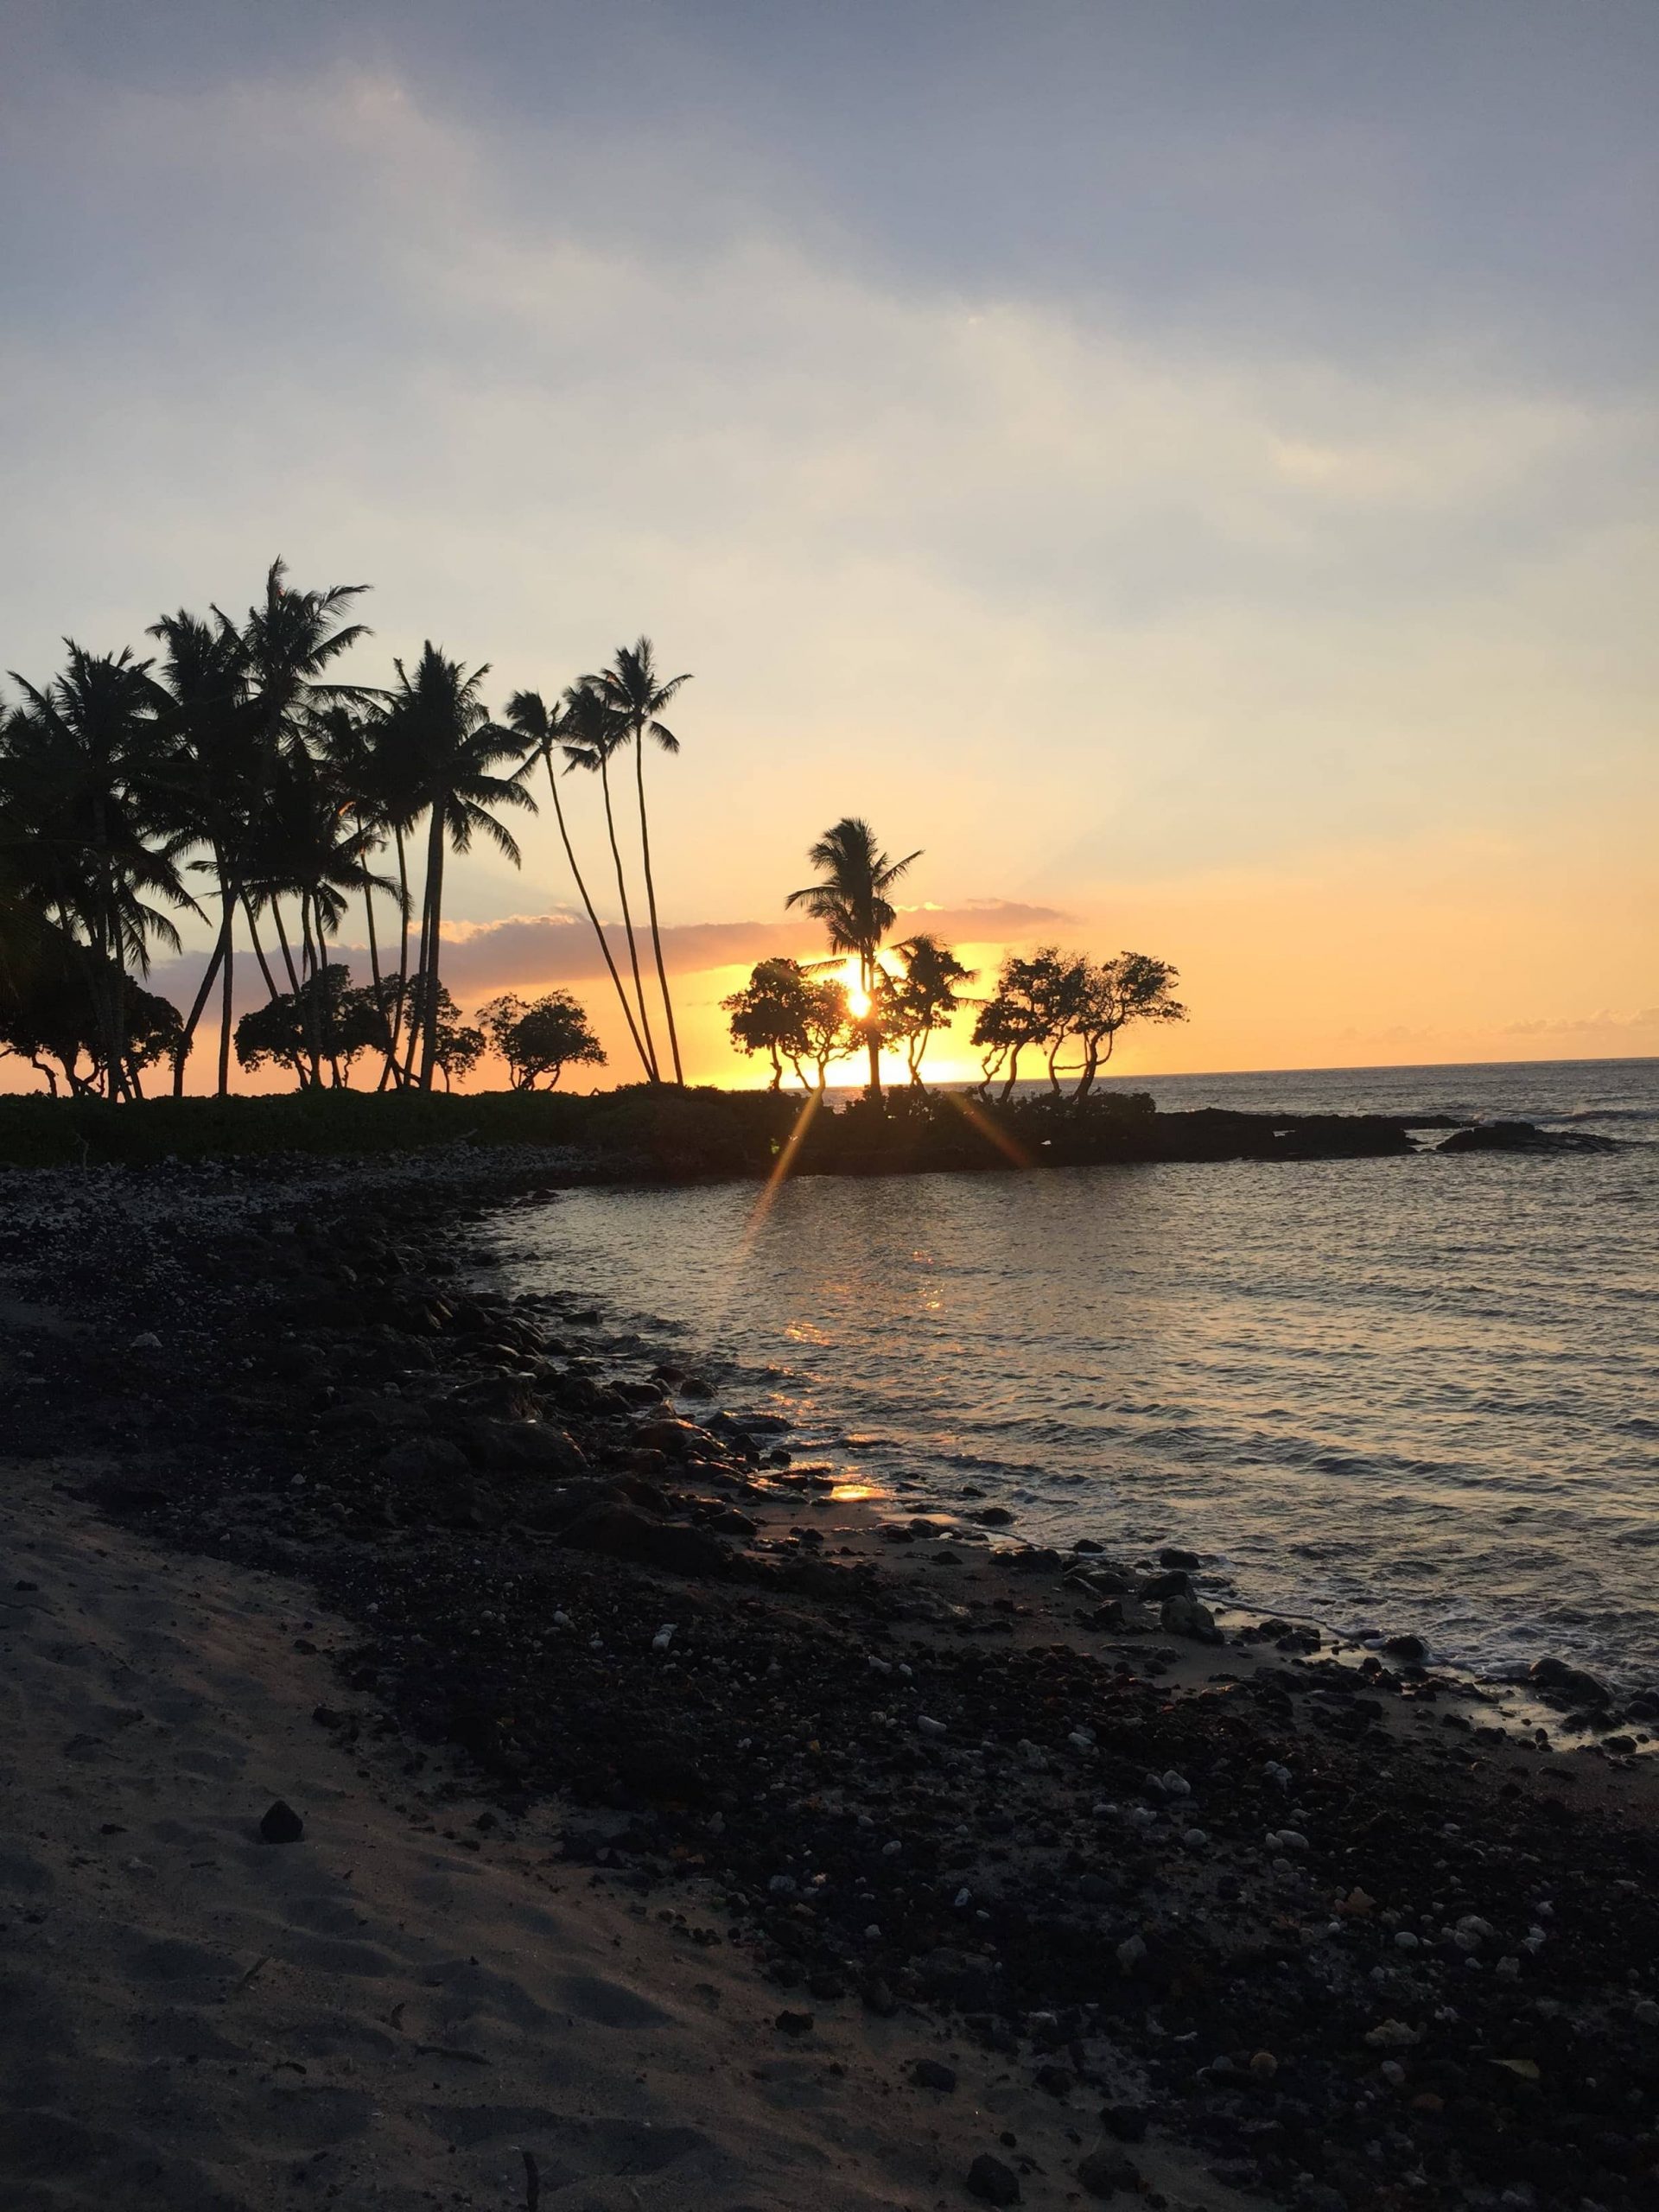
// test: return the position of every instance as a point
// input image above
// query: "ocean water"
(1399, 1394)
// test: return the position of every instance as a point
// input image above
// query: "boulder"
(623, 1532)
(424, 1458)
(992, 2182)
(1105, 2171)
(1184, 1616)
(522, 1446)
(1557, 1681)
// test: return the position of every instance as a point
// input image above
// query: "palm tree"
(214, 774)
(632, 690)
(450, 749)
(289, 641)
(304, 847)
(360, 766)
(543, 729)
(592, 732)
(86, 823)
(851, 901)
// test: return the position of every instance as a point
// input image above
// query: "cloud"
(521, 950)
(1602, 1028)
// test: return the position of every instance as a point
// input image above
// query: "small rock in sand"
(1103, 2172)
(992, 2182)
(282, 1824)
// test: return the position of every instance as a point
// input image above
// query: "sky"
(1189, 467)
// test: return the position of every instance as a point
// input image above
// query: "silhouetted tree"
(83, 826)
(637, 695)
(451, 747)
(850, 900)
(791, 1015)
(540, 1037)
(545, 728)
(594, 732)
(923, 998)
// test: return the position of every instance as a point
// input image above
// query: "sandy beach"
(664, 1813)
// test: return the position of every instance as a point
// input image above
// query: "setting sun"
(858, 999)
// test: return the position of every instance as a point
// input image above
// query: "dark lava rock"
(932, 2073)
(1127, 2122)
(1186, 1617)
(620, 1532)
(1041, 1559)
(1103, 2172)
(424, 1458)
(1173, 1555)
(1556, 1679)
(992, 1516)
(1055, 2080)
(1523, 1136)
(282, 1824)
(1177, 1584)
(992, 2182)
(794, 2023)
(878, 1999)
(1410, 1650)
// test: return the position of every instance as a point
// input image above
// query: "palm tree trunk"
(581, 888)
(871, 1038)
(651, 1074)
(282, 940)
(391, 1071)
(418, 986)
(226, 1007)
(259, 949)
(435, 908)
(208, 980)
(312, 1012)
(650, 904)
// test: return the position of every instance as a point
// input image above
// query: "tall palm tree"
(359, 765)
(634, 691)
(545, 728)
(86, 823)
(592, 732)
(215, 771)
(850, 898)
(288, 643)
(451, 749)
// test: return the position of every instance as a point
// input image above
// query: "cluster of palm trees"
(1045, 1001)
(235, 775)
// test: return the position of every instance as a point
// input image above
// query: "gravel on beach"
(1319, 1917)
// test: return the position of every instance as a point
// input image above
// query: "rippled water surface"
(1407, 1393)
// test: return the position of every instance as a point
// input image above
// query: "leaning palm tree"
(850, 898)
(592, 732)
(451, 749)
(545, 728)
(86, 825)
(633, 691)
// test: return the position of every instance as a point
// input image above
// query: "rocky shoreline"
(1314, 1913)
